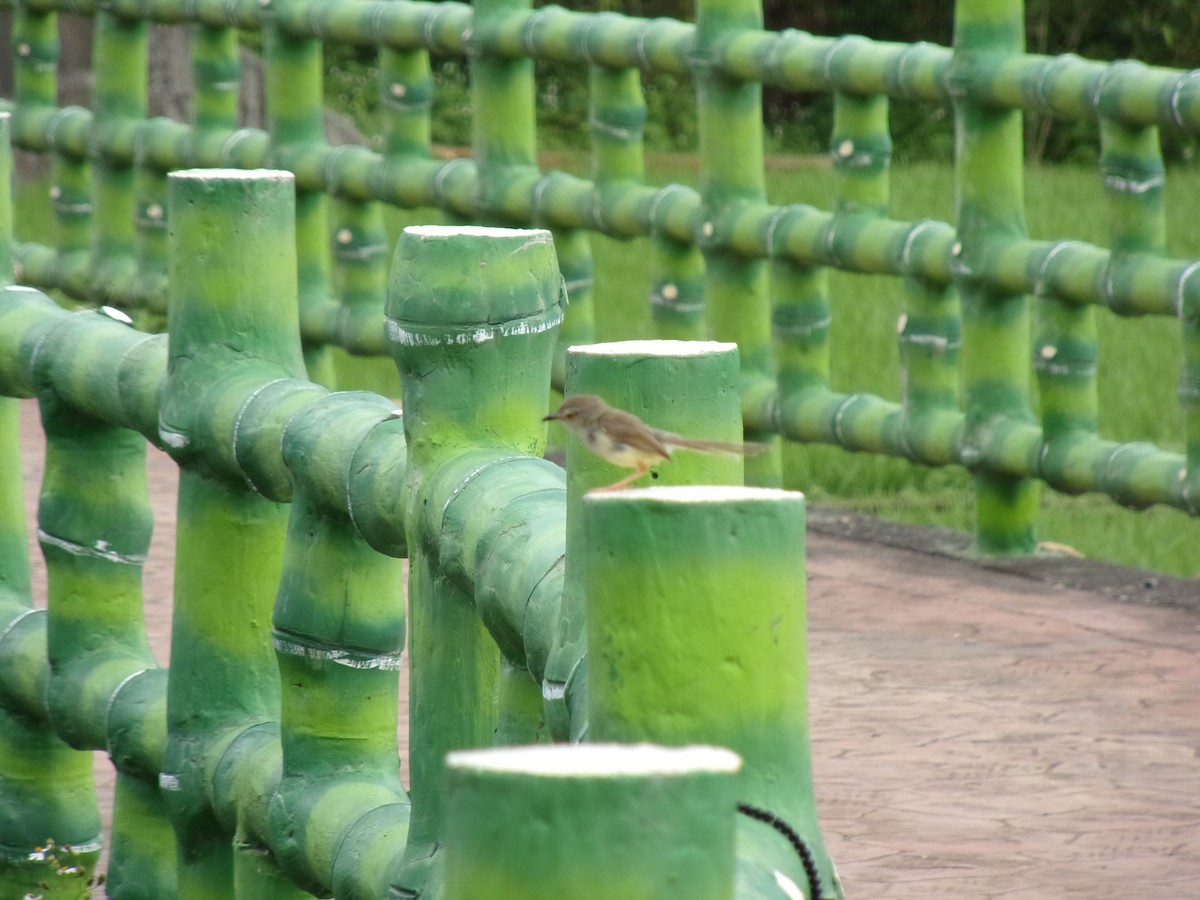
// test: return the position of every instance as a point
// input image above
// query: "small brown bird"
(624, 440)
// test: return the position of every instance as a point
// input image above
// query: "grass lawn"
(1139, 358)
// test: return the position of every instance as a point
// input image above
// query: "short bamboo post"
(472, 320)
(731, 177)
(233, 323)
(591, 821)
(48, 785)
(94, 524)
(696, 632)
(996, 326)
(687, 387)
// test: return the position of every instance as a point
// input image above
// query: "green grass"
(1139, 363)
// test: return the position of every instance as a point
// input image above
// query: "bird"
(621, 438)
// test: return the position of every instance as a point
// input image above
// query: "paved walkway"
(976, 733)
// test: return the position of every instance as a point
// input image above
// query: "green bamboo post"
(505, 143)
(929, 328)
(590, 821)
(47, 784)
(35, 42)
(687, 387)
(360, 275)
(338, 635)
(94, 524)
(996, 323)
(801, 319)
(294, 93)
(233, 322)
(406, 99)
(618, 117)
(696, 632)
(1065, 345)
(120, 98)
(6, 200)
(732, 176)
(472, 321)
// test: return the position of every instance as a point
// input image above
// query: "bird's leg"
(637, 473)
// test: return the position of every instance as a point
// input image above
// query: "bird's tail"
(726, 448)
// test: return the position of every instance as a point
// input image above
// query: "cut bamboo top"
(591, 760)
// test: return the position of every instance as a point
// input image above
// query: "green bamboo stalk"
(47, 783)
(35, 39)
(1065, 346)
(150, 190)
(505, 143)
(862, 153)
(224, 677)
(6, 200)
(338, 636)
(729, 114)
(294, 94)
(406, 98)
(467, 307)
(94, 528)
(360, 276)
(120, 99)
(217, 75)
(996, 324)
(618, 114)
(94, 525)
(48, 795)
(587, 821)
(141, 862)
(690, 388)
(696, 633)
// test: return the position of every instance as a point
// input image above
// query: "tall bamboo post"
(590, 821)
(473, 315)
(732, 177)
(696, 632)
(687, 387)
(35, 41)
(1066, 350)
(47, 784)
(294, 82)
(233, 323)
(120, 97)
(996, 324)
(505, 143)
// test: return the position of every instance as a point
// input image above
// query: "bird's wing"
(634, 431)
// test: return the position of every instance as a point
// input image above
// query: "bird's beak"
(553, 417)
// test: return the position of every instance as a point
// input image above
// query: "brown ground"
(976, 733)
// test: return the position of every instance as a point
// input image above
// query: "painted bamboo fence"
(264, 763)
(728, 265)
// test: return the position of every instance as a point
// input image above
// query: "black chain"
(797, 842)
